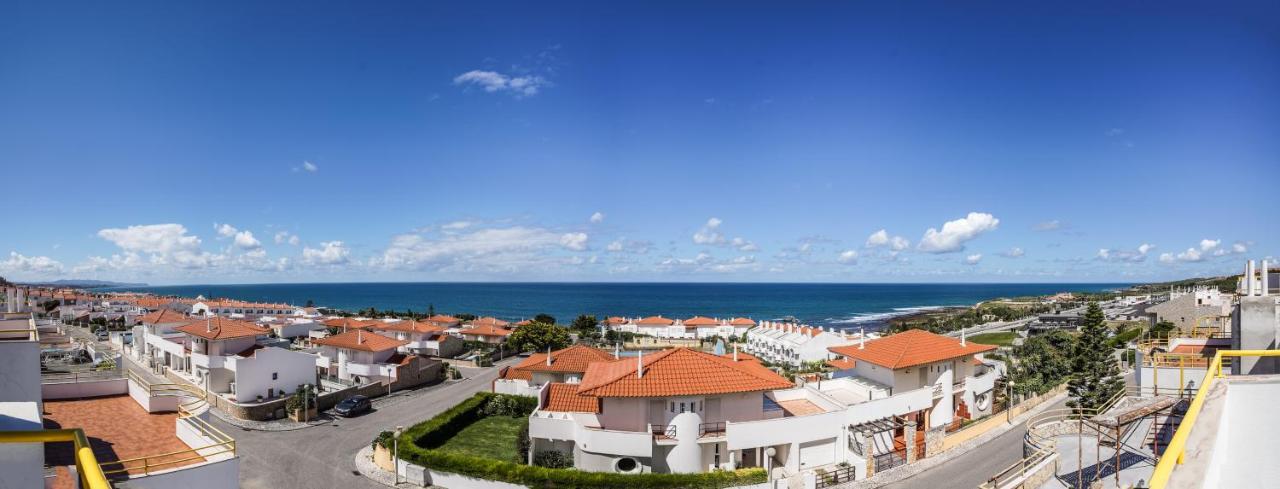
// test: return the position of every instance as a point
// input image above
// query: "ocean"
(838, 305)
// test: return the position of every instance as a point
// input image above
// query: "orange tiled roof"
(490, 320)
(655, 321)
(910, 348)
(678, 372)
(486, 330)
(441, 318)
(361, 340)
(165, 316)
(572, 359)
(511, 373)
(220, 328)
(615, 320)
(742, 322)
(565, 398)
(525, 322)
(842, 364)
(408, 327)
(700, 321)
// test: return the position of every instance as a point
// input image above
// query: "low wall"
(190, 434)
(425, 477)
(224, 474)
(1032, 402)
(84, 388)
(156, 404)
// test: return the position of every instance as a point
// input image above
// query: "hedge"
(419, 445)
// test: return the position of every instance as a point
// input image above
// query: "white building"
(692, 328)
(224, 356)
(566, 365)
(360, 356)
(792, 344)
(423, 338)
(687, 411)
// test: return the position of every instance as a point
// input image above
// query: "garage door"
(820, 452)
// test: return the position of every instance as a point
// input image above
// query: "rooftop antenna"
(862, 338)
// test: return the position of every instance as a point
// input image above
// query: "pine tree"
(1095, 375)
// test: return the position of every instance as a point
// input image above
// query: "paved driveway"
(321, 456)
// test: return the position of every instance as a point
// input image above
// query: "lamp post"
(396, 452)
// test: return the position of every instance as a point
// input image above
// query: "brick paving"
(118, 429)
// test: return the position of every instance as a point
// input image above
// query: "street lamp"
(396, 452)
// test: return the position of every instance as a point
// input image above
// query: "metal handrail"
(91, 474)
(1044, 447)
(1177, 447)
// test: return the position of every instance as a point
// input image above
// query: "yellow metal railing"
(1176, 450)
(222, 443)
(91, 474)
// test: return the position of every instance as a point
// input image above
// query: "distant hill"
(1225, 283)
(88, 284)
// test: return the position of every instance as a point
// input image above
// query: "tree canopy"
(1042, 362)
(538, 336)
(544, 318)
(1095, 375)
(585, 322)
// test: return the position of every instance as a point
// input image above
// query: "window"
(673, 406)
(626, 465)
(275, 376)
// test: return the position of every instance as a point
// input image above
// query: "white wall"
(1250, 457)
(253, 374)
(156, 404)
(85, 388)
(21, 464)
(20, 371)
(223, 474)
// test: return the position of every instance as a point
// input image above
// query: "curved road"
(321, 456)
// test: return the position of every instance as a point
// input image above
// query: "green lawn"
(492, 437)
(999, 338)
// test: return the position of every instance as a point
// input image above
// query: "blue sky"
(277, 142)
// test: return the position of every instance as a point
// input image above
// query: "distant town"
(1094, 389)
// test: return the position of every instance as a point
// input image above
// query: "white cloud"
(574, 241)
(597, 218)
(955, 233)
(1191, 255)
(492, 82)
(973, 259)
(456, 225)
(1047, 225)
(284, 237)
(310, 167)
(1209, 244)
(245, 240)
(1115, 131)
(630, 246)
(509, 249)
(1239, 248)
(1132, 256)
(36, 265)
(744, 245)
(709, 234)
(848, 257)
(882, 238)
(1014, 252)
(167, 244)
(1166, 258)
(225, 230)
(329, 253)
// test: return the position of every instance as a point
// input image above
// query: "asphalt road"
(321, 456)
(975, 466)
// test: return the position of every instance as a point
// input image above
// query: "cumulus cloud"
(225, 230)
(329, 253)
(166, 244)
(597, 218)
(704, 262)
(623, 245)
(245, 240)
(518, 86)
(955, 233)
(1209, 244)
(18, 263)
(574, 241)
(456, 225)
(709, 234)
(284, 237)
(882, 238)
(973, 259)
(743, 245)
(1014, 252)
(848, 257)
(1191, 255)
(1166, 258)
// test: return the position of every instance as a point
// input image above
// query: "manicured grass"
(999, 338)
(492, 437)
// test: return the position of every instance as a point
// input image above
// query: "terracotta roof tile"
(842, 364)
(742, 322)
(407, 327)
(572, 359)
(510, 373)
(361, 340)
(910, 348)
(655, 321)
(486, 330)
(615, 320)
(678, 372)
(350, 323)
(565, 398)
(490, 320)
(700, 321)
(165, 316)
(441, 318)
(220, 328)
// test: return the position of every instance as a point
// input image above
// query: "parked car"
(102, 335)
(352, 406)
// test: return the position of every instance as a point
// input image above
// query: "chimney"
(962, 338)
(735, 352)
(1248, 277)
(617, 351)
(862, 338)
(1262, 287)
(548, 355)
(359, 336)
(208, 325)
(640, 365)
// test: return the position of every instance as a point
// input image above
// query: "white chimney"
(640, 364)
(862, 338)
(1248, 277)
(208, 326)
(1262, 286)
(962, 339)
(359, 336)
(617, 351)
(735, 352)
(548, 355)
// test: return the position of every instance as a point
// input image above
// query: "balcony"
(711, 430)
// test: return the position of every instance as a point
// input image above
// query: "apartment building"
(692, 328)
(485, 333)
(792, 344)
(424, 338)
(242, 309)
(227, 357)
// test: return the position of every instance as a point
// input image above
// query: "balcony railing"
(663, 431)
(711, 429)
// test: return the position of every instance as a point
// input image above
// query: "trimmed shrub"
(552, 459)
(419, 445)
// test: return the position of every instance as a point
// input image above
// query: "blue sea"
(839, 305)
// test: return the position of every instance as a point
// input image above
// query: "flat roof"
(117, 428)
